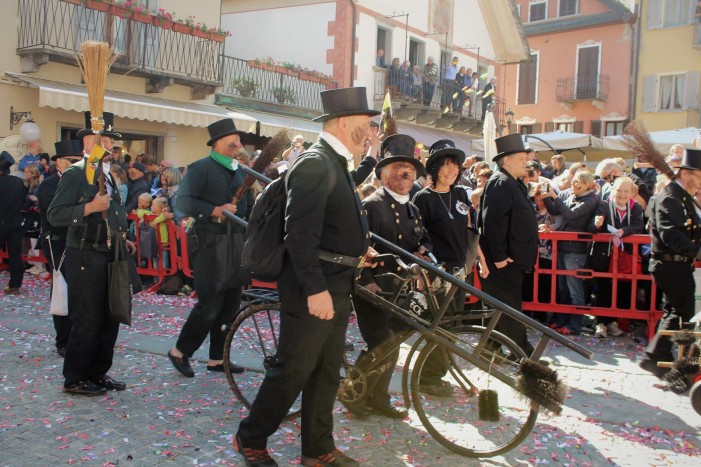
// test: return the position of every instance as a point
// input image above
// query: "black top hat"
(68, 148)
(108, 118)
(6, 161)
(691, 160)
(509, 144)
(399, 148)
(344, 102)
(444, 148)
(220, 129)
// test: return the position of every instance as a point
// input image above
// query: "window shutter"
(691, 90)
(596, 128)
(578, 127)
(549, 126)
(649, 92)
(625, 124)
(537, 127)
(654, 14)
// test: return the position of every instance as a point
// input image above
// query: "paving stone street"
(615, 415)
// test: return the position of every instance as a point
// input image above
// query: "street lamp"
(509, 114)
(406, 28)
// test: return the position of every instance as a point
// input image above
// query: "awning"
(427, 135)
(663, 140)
(69, 96)
(558, 140)
(505, 30)
(270, 124)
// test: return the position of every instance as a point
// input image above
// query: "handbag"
(228, 269)
(59, 288)
(625, 263)
(148, 245)
(31, 220)
(119, 288)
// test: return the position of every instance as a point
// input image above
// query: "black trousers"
(213, 309)
(62, 324)
(310, 353)
(93, 331)
(13, 238)
(506, 285)
(678, 302)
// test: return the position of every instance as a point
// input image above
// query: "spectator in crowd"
(122, 181)
(44, 164)
(622, 213)
(488, 96)
(366, 190)
(558, 164)
(430, 78)
(483, 176)
(449, 74)
(138, 185)
(32, 219)
(394, 77)
(32, 157)
(143, 207)
(459, 99)
(416, 80)
(12, 193)
(152, 169)
(156, 184)
(577, 208)
(608, 171)
(473, 95)
(564, 181)
(117, 155)
(380, 58)
(170, 181)
(159, 208)
(647, 174)
(508, 234)
(405, 79)
(296, 148)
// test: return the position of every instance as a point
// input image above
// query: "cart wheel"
(252, 341)
(455, 421)
(695, 397)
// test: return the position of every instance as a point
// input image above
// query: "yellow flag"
(386, 113)
(91, 164)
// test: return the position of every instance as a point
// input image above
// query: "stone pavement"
(614, 414)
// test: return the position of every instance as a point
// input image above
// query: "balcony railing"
(437, 96)
(575, 89)
(264, 84)
(57, 28)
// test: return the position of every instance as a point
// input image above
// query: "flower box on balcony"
(217, 37)
(121, 12)
(74, 2)
(306, 76)
(182, 28)
(163, 22)
(141, 17)
(285, 71)
(99, 6)
(200, 33)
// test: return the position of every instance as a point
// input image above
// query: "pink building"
(579, 75)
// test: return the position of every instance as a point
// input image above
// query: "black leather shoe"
(110, 384)
(358, 409)
(388, 411)
(650, 365)
(85, 388)
(182, 365)
(61, 351)
(220, 368)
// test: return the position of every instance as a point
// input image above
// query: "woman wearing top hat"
(676, 236)
(12, 193)
(445, 208)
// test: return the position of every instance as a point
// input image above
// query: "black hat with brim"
(691, 160)
(108, 130)
(345, 102)
(399, 148)
(220, 129)
(444, 148)
(68, 148)
(510, 144)
(6, 161)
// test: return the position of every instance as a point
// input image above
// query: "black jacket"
(577, 212)
(136, 189)
(316, 218)
(507, 222)
(675, 229)
(364, 169)
(12, 193)
(45, 194)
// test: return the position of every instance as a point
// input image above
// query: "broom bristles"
(273, 149)
(94, 63)
(637, 140)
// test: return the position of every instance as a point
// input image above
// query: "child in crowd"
(144, 205)
(159, 208)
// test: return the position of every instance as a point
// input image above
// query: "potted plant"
(120, 9)
(284, 95)
(99, 5)
(246, 87)
(200, 30)
(163, 19)
(184, 26)
(218, 34)
(262, 63)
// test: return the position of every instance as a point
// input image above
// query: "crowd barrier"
(632, 295)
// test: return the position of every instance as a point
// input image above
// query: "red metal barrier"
(160, 272)
(184, 257)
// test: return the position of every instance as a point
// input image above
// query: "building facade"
(579, 72)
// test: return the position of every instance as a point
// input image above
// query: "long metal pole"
(406, 36)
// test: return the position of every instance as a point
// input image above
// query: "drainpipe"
(352, 60)
(637, 22)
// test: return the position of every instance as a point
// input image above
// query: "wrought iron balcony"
(262, 87)
(54, 29)
(577, 89)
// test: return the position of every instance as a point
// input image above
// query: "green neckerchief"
(226, 162)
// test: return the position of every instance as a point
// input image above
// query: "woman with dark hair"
(445, 208)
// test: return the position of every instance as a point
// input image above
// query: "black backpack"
(264, 247)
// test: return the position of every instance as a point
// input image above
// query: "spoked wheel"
(455, 421)
(252, 342)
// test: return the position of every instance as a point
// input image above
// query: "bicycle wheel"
(252, 341)
(455, 421)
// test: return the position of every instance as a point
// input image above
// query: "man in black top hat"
(12, 193)
(67, 153)
(392, 216)
(315, 292)
(676, 236)
(208, 189)
(96, 222)
(508, 233)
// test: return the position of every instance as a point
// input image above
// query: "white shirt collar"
(339, 147)
(401, 199)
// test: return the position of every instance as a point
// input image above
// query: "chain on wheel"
(354, 386)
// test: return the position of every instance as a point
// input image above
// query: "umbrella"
(489, 130)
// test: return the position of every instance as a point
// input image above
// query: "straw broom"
(273, 149)
(638, 141)
(94, 63)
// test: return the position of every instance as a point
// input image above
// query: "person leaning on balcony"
(380, 58)
(430, 78)
(486, 101)
(206, 190)
(448, 84)
(676, 236)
